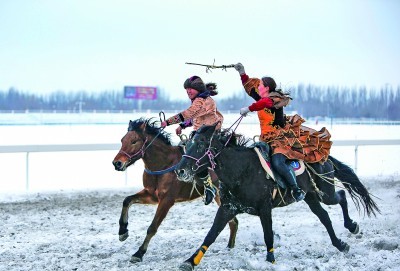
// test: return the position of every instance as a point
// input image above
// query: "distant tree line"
(311, 101)
(308, 101)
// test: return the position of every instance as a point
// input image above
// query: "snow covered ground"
(79, 231)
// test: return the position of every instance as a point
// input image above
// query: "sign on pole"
(138, 92)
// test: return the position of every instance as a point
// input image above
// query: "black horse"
(244, 187)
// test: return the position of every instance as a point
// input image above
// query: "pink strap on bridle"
(208, 153)
(141, 151)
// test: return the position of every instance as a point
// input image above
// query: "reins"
(160, 172)
(238, 121)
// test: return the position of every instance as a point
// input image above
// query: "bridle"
(141, 151)
(211, 152)
(144, 147)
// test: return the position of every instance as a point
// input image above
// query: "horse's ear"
(130, 125)
(143, 126)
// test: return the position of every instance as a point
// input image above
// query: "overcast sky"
(98, 45)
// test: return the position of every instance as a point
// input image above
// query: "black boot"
(278, 162)
(209, 190)
(297, 193)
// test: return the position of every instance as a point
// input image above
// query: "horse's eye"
(133, 142)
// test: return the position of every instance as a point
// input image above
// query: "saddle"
(263, 151)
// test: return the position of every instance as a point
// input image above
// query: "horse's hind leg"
(349, 224)
(162, 210)
(331, 197)
(340, 197)
(322, 214)
(142, 197)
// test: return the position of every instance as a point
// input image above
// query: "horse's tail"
(358, 192)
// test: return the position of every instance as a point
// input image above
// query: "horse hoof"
(352, 227)
(356, 230)
(135, 259)
(344, 247)
(186, 266)
(124, 236)
(271, 257)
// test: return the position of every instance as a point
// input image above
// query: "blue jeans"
(278, 163)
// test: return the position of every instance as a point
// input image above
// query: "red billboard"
(138, 92)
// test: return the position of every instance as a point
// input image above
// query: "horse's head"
(200, 152)
(141, 134)
(133, 144)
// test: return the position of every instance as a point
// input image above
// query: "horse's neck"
(231, 165)
(160, 155)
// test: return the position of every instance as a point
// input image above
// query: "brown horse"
(144, 140)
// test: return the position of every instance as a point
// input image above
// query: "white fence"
(27, 149)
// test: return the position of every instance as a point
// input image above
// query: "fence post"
(27, 171)
(355, 158)
(126, 177)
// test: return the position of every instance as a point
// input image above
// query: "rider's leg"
(209, 189)
(278, 163)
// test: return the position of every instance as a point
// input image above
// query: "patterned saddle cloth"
(263, 151)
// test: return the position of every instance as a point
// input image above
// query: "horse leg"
(142, 197)
(163, 207)
(221, 219)
(233, 226)
(322, 214)
(349, 224)
(340, 197)
(331, 197)
(266, 222)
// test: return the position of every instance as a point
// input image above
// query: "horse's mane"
(235, 140)
(151, 128)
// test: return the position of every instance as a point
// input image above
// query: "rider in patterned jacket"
(202, 111)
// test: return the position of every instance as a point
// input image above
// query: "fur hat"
(196, 83)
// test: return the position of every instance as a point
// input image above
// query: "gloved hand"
(178, 130)
(240, 68)
(164, 124)
(244, 111)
